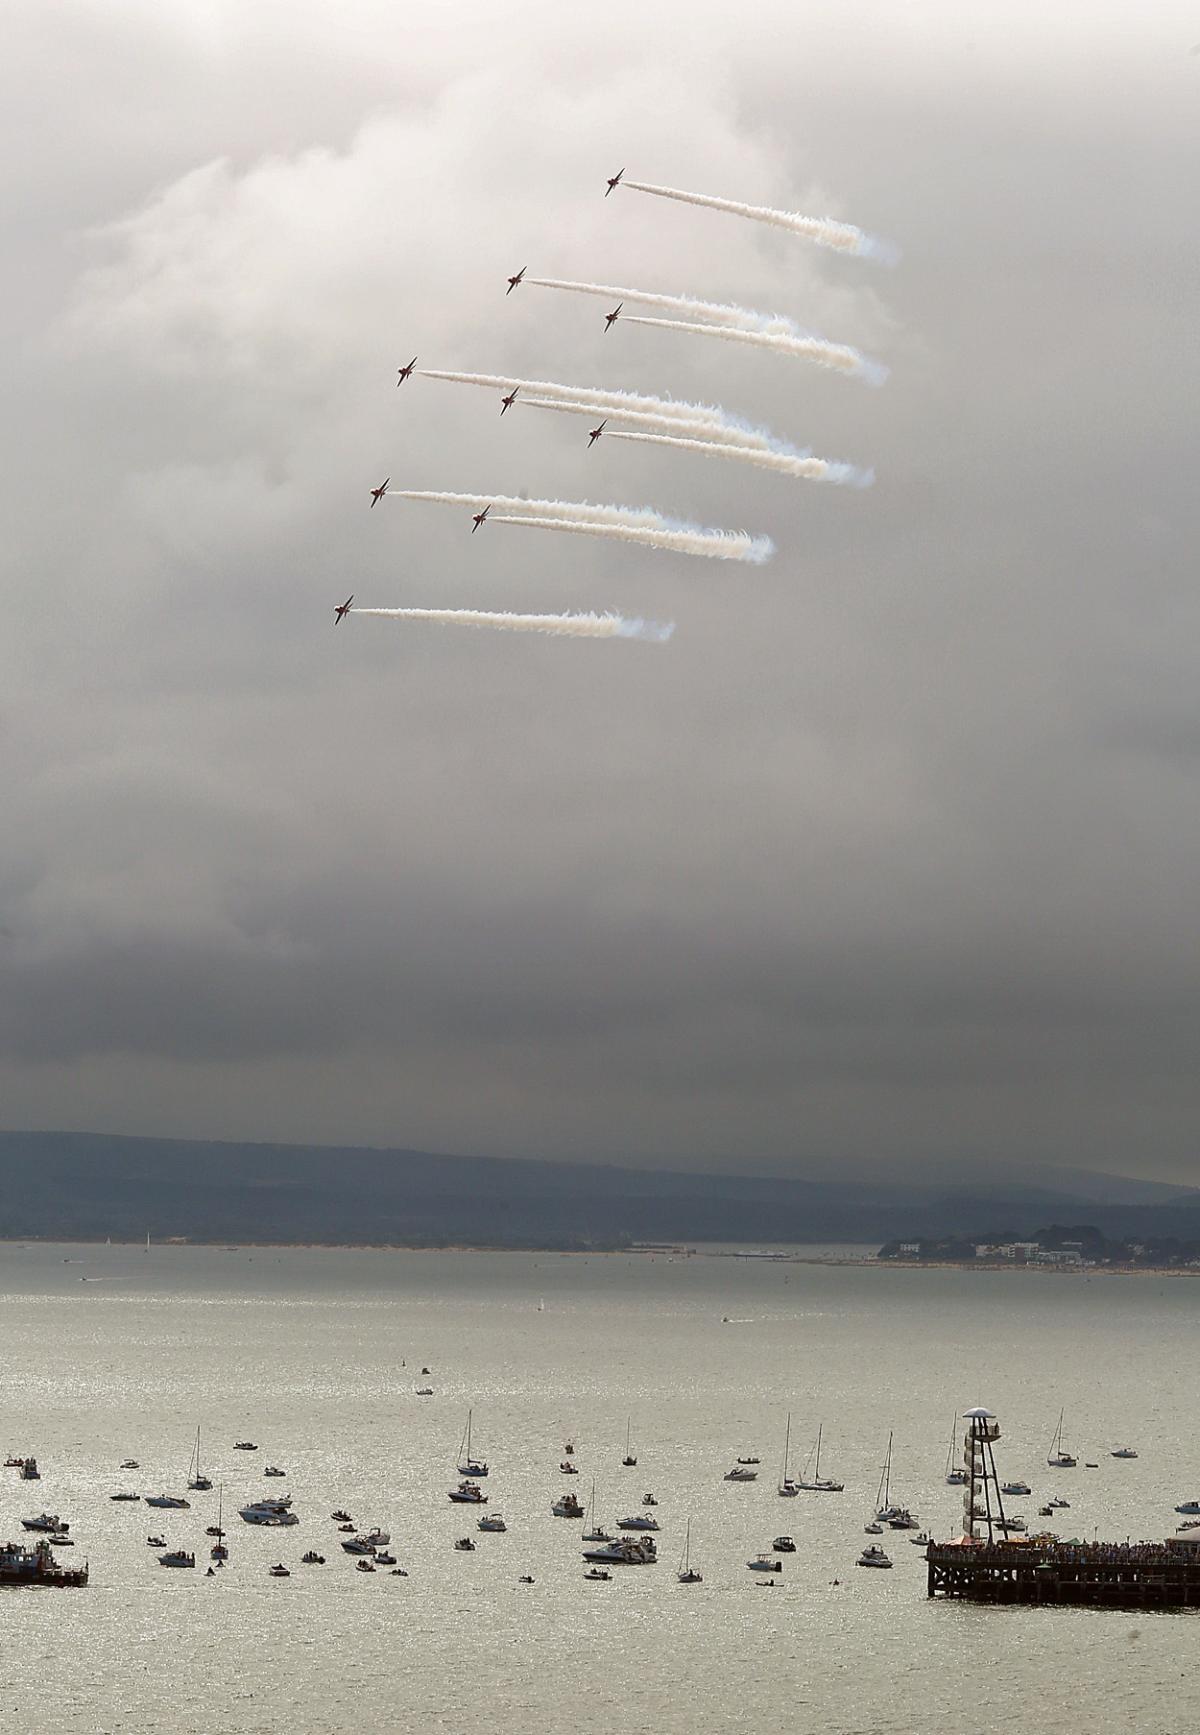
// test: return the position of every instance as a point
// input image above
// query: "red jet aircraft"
(479, 518)
(510, 400)
(615, 179)
(404, 372)
(595, 433)
(341, 610)
(610, 319)
(377, 494)
(514, 281)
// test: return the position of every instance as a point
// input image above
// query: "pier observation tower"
(983, 1506)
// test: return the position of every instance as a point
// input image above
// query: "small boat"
(956, 1476)
(816, 1483)
(749, 1460)
(764, 1563)
(740, 1473)
(639, 1521)
(1123, 1452)
(340, 1517)
(273, 1470)
(377, 1538)
(569, 1449)
(175, 1502)
(155, 1542)
(525, 1579)
(347, 1527)
(269, 1511)
(902, 1519)
(424, 1391)
(177, 1557)
(468, 1494)
(398, 1572)
(784, 1545)
(244, 1446)
(465, 1545)
(1015, 1488)
(1014, 1523)
(62, 1542)
(687, 1573)
(597, 1573)
(873, 1555)
(1057, 1458)
(1061, 1505)
(469, 1466)
(312, 1558)
(630, 1458)
(920, 1540)
(365, 1566)
(491, 1521)
(567, 1507)
(873, 1529)
(787, 1488)
(385, 1560)
(1091, 1466)
(594, 1532)
(131, 1464)
(569, 1469)
(1189, 1506)
(1045, 1512)
(357, 1545)
(196, 1477)
(49, 1522)
(219, 1550)
(279, 1570)
(30, 1471)
(649, 1500)
(124, 1496)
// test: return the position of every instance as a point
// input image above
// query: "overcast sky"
(893, 851)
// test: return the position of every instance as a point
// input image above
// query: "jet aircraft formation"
(653, 420)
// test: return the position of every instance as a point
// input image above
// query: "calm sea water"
(315, 1354)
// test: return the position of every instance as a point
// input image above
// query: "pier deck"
(1079, 1574)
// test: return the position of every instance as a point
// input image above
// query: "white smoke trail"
(755, 439)
(715, 312)
(641, 516)
(799, 464)
(710, 544)
(594, 396)
(824, 231)
(573, 626)
(839, 356)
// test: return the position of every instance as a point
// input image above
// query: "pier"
(1076, 1574)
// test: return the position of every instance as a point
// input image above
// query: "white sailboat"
(884, 1510)
(1057, 1458)
(817, 1483)
(218, 1551)
(956, 1475)
(629, 1460)
(196, 1477)
(787, 1488)
(468, 1465)
(686, 1575)
(594, 1532)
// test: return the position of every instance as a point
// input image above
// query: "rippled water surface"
(112, 1352)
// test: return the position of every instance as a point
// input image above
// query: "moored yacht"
(624, 1551)
(469, 1465)
(1015, 1488)
(468, 1494)
(687, 1573)
(1123, 1452)
(815, 1483)
(787, 1488)
(177, 1557)
(566, 1506)
(491, 1521)
(175, 1501)
(45, 1521)
(639, 1521)
(1057, 1458)
(269, 1511)
(764, 1563)
(956, 1475)
(873, 1555)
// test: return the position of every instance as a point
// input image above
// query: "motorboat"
(155, 1542)
(740, 1473)
(377, 1538)
(424, 1391)
(873, 1529)
(62, 1542)
(1123, 1452)
(1015, 1524)
(491, 1521)
(49, 1522)
(639, 1521)
(920, 1540)
(624, 1551)
(812, 1480)
(340, 1517)
(124, 1496)
(1057, 1458)
(279, 1570)
(273, 1470)
(569, 1469)
(567, 1507)
(469, 1465)
(365, 1566)
(687, 1574)
(749, 1460)
(465, 1545)
(649, 1500)
(312, 1558)
(873, 1555)
(244, 1446)
(385, 1559)
(177, 1557)
(347, 1528)
(470, 1494)
(1016, 1488)
(525, 1579)
(784, 1545)
(1061, 1505)
(357, 1545)
(175, 1502)
(902, 1519)
(269, 1511)
(30, 1471)
(131, 1464)
(764, 1563)
(596, 1573)
(398, 1572)
(1189, 1506)
(1045, 1512)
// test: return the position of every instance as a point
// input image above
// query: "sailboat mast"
(817, 1471)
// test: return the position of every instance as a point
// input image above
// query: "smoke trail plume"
(583, 510)
(710, 544)
(824, 231)
(594, 396)
(839, 356)
(715, 312)
(572, 626)
(755, 438)
(799, 464)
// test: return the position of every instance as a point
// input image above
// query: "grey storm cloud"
(889, 853)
